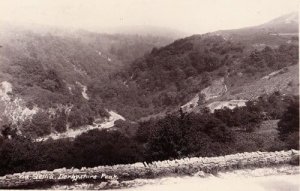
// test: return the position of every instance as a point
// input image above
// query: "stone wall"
(185, 166)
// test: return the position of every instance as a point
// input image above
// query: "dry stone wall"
(185, 166)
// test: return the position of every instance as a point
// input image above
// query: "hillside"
(169, 77)
(44, 74)
(283, 29)
(160, 79)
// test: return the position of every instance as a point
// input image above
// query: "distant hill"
(144, 30)
(288, 23)
(272, 33)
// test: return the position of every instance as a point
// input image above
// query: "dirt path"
(71, 133)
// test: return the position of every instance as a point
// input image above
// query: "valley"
(156, 108)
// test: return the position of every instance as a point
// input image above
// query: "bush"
(40, 125)
(289, 122)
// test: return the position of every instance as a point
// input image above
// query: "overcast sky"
(191, 16)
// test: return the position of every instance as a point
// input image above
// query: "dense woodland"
(175, 136)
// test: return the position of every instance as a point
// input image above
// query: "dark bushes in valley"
(175, 136)
(90, 149)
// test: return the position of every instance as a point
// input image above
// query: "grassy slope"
(287, 82)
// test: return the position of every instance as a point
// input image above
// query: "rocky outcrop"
(231, 104)
(216, 89)
(13, 109)
(188, 107)
(84, 91)
(185, 166)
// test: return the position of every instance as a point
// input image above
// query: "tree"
(40, 125)
(201, 99)
(206, 79)
(7, 131)
(60, 121)
(289, 123)
(165, 139)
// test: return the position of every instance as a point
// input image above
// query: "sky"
(189, 16)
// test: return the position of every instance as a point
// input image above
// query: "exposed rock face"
(188, 107)
(231, 104)
(185, 166)
(216, 89)
(84, 91)
(5, 88)
(13, 109)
